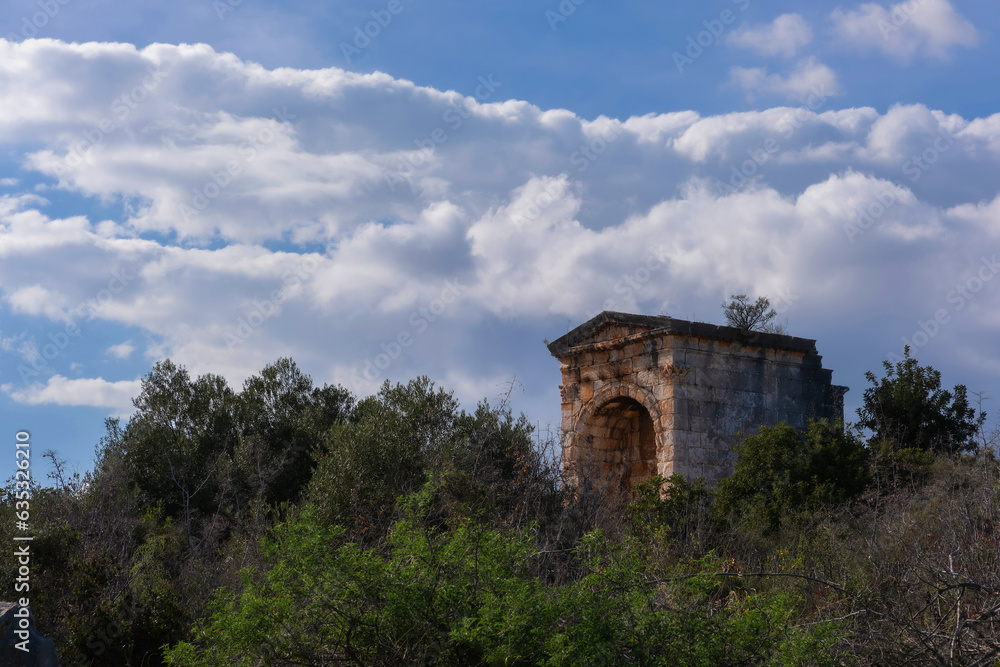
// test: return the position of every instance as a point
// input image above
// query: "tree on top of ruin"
(749, 316)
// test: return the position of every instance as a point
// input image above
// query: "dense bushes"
(782, 474)
(464, 594)
(287, 524)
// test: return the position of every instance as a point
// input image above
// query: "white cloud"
(986, 132)
(89, 392)
(782, 37)
(9, 182)
(911, 130)
(25, 229)
(982, 215)
(808, 79)
(540, 217)
(121, 351)
(906, 30)
(9, 343)
(29, 351)
(37, 300)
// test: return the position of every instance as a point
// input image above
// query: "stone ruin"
(643, 395)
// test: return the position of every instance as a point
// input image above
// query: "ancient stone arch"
(644, 395)
(619, 427)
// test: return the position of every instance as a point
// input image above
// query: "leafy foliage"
(673, 516)
(383, 453)
(282, 417)
(404, 530)
(908, 409)
(404, 431)
(176, 443)
(466, 596)
(781, 473)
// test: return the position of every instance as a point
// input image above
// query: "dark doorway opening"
(622, 442)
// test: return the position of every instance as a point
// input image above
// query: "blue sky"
(225, 182)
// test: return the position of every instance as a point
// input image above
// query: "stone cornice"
(576, 341)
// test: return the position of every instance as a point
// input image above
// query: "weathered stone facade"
(644, 395)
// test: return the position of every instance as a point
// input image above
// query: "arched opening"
(621, 441)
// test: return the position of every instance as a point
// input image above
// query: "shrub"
(782, 473)
(908, 409)
(465, 595)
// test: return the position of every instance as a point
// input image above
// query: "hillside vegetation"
(288, 524)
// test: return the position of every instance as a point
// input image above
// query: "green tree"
(283, 419)
(782, 473)
(395, 438)
(384, 452)
(179, 442)
(908, 409)
(497, 469)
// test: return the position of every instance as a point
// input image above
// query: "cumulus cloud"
(37, 300)
(121, 351)
(980, 215)
(373, 228)
(909, 131)
(906, 30)
(782, 37)
(808, 79)
(89, 392)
